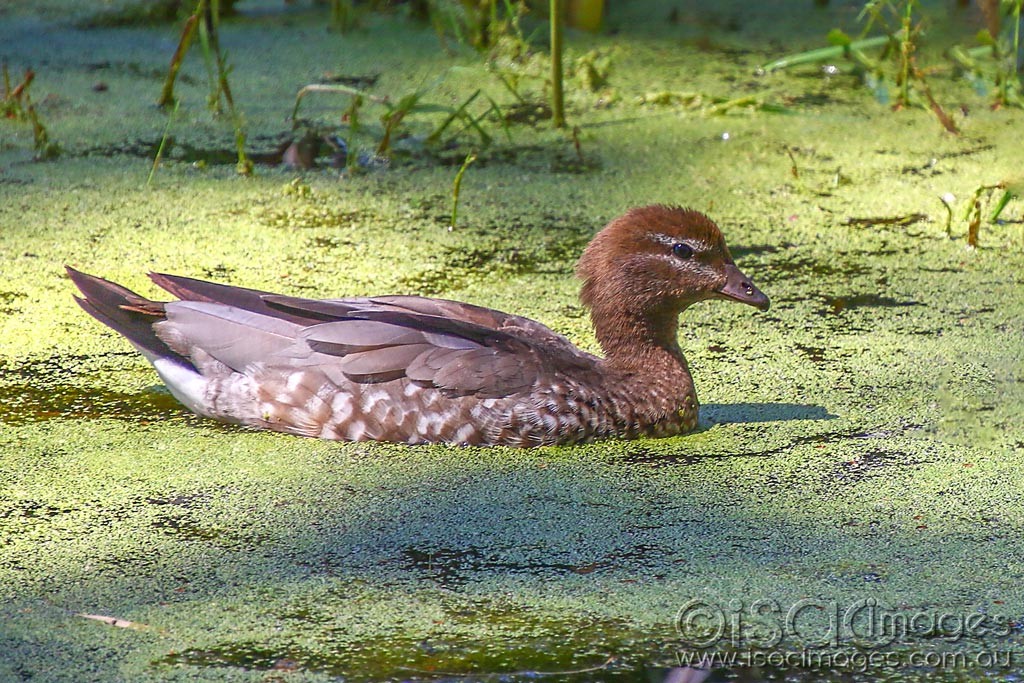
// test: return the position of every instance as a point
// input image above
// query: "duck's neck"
(640, 341)
(648, 381)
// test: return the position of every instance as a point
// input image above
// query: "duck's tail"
(125, 312)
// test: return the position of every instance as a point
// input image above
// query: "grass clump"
(17, 105)
(895, 77)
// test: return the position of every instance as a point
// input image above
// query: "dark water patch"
(179, 518)
(327, 243)
(713, 414)
(40, 390)
(177, 150)
(188, 153)
(587, 651)
(575, 163)
(315, 216)
(253, 656)
(554, 250)
(219, 271)
(33, 403)
(186, 528)
(182, 500)
(813, 99)
(325, 149)
(452, 567)
(835, 305)
(873, 463)
(739, 252)
(803, 269)
(813, 353)
(136, 69)
(455, 156)
(31, 510)
(820, 440)
(179, 515)
(572, 650)
(527, 112)
(655, 458)
(748, 413)
(132, 14)
(931, 163)
(6, 301)
(360, 82)
(903, 221)
(447, 564)
(532, 157)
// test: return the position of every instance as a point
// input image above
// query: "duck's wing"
(311, 311)
(459, 348)
(373, 340)
(191, 289)
(369, 345)
(474, 316)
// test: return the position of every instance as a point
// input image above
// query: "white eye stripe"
(670, 241)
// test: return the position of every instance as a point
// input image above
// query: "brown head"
(651, 263)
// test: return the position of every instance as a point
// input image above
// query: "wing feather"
(460, 348)
(380, 362)
(233, 336)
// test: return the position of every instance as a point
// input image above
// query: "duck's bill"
(738, 287)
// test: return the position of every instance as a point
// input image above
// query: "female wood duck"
(418, 370)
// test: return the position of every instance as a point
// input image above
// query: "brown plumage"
(419, 370)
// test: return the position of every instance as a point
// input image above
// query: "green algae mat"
(851, 509)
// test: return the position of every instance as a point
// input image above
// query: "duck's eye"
(683, 251)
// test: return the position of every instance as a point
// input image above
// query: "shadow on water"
(489, 533)
(713, 414)
(31, 403)
(838, 304)
(746, 413)
(40, 390)
(451, 535)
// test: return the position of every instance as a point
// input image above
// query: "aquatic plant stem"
(244, 165)
(945, 119)
(906, 54)
(557, 96)
(163, 144)
(824, 53)
(392, 119)
(207, 36)
(352, 153)
(340, 89)
(1000, 205)
(949, 216)
(973, 213)
(1011, 77)
(41, 137)
(220, 85)
(459, 111)
(457, 186)
(12, 102)
(187, 33)
(342, 15)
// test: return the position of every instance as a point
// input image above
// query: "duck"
(420, 370)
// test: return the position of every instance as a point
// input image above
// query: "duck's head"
(654, 261)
